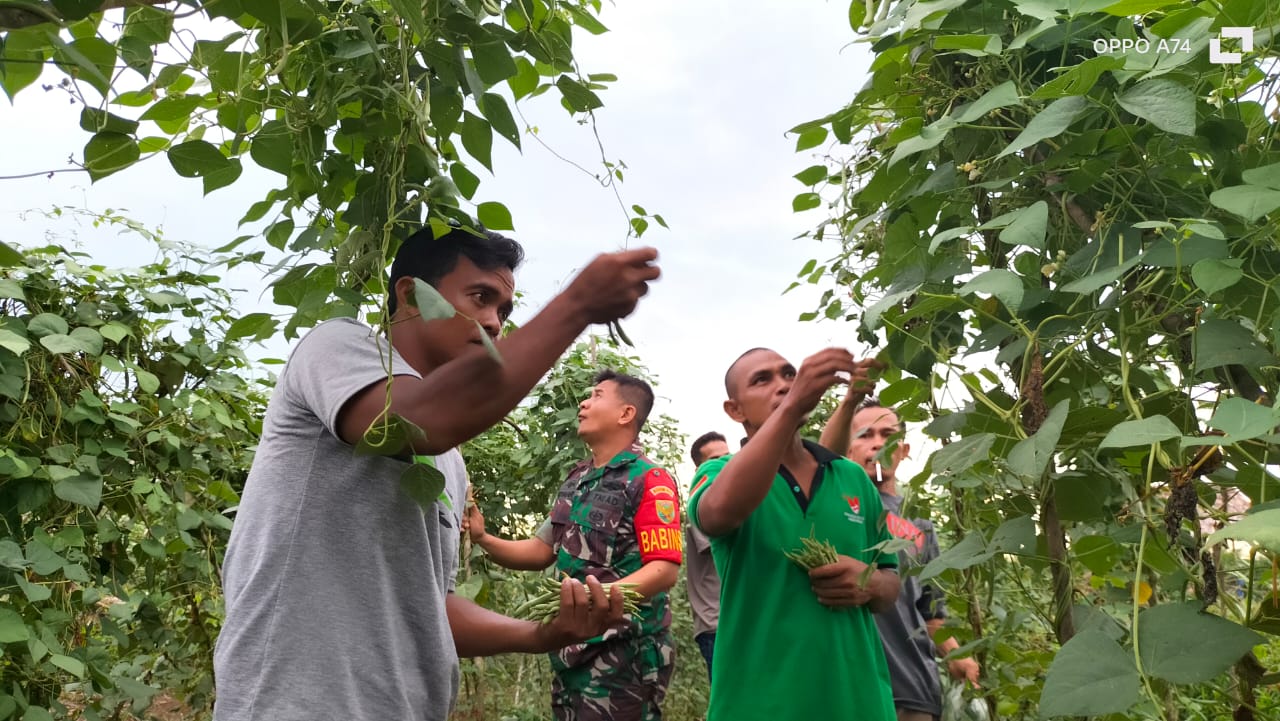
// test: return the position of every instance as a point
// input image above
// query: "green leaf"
(970, 551)
(1031, 456)
(477, 138)
(805, 201)
(1016, 536)
(272, 147)
(93, 120)
(489, 347)
(412, 13)
(811, 138)
(1247, 201)
(962, 455)
(1048, 123)
(79, 489)
(139, 692)
(172, 108)
(973, 45)
(147, 381)
(498, 114)
(1029, 227)
(493, 61)
(47, 324)
(423, 483)
(930, 136)
(1241, 420)
(9, 258)
(525, 80)
(89, 339)
(430, 304)
(76, 9)
(1079, 79)
(1128, 8)
(1003, 284)
(91, 59)
(1212, 275)
(37, 713)
(255, 325)
(585, 20)
(24, 55)
(1001, 96)
(1091, 675)
(392, 436)
(494, 216)
(73, 666)
(1220, 342)
(1180, 644)
(13, 342)
(1165, 104)
(195, 158)
(812, 175)
(12, 629)
(108, 152)
(1266, 175)
(1098, 553)
(1107, 276)
(1258, 529)
(224, 176)
(578, 97)
(1153, 429)
(150, 25)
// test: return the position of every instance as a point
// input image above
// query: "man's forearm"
(835, 435)
(746, 479)
(884, 588)
(477, 631)
(531, 554)
(654, 578)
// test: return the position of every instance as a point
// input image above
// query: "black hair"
(633, 390)
(728, 387)
(710, 437)
(424, 256)
(874, 402)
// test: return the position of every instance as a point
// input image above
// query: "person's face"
(604, 411)
(484, 296)
(873, 429)
(713, 449)
(760, 382)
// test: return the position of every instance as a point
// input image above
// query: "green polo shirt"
(780, 654)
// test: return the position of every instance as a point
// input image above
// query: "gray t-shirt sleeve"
(324, 386)
(545, 533)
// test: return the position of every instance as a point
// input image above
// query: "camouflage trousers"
(616, 680)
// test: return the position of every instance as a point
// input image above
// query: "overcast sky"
(705, 94)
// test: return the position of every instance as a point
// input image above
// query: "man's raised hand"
(819, 372)
(611, 285)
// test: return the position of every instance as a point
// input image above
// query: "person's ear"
(734, 411)
(403, 289)
(627, 416)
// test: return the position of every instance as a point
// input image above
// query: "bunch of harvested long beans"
(544, 605)
(813, 553)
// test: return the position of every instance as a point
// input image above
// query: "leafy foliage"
(1033, 213)
(128, 422)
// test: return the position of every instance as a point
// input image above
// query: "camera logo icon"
(1244, 35)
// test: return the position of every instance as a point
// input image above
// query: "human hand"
(585, 612)
(612, 284)
(844, 583)
(473, 523)
(966, 669)
(862, 382)
(817, 373)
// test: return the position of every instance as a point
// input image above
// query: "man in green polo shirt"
(790, 644)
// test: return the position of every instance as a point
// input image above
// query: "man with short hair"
(862, 429)
(701, 579)
(339, 585)
(793, 644)
(616, 517)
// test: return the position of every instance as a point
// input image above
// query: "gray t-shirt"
(335, 579)
(701, 581)
(908, 649)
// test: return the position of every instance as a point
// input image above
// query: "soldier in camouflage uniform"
(616, 517)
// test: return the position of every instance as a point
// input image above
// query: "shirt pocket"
(599, 528)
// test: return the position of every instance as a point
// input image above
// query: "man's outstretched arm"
(585, 612)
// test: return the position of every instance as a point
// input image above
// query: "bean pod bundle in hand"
(813, 553)
(544, 606)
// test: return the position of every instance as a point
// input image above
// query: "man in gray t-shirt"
(337, 582)
(861, 429)
(701, 579)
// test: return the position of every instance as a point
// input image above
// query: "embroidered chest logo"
(855, 509)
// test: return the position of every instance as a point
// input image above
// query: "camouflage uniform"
(608, 522)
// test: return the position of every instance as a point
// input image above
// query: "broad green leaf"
(1250, 202)
(970, 551)
(1079, 79)
(272, 147)
(1266, 176)
(930, 9)
(47, 324)
(1016, 536)
(525, 80)
(948, 234)
(493, 62)
(37, 713)
(224, 176)
(147, 381)
(76, 9)
(1031, 456)
(91, 59)
(498, 114)
(1153, 429)
(812, 175)
(464, 180)
(108, 152)
(1180, 644)
(79, 489)
(1098, 553)
(1166, 104)
(1127, 8)
(477, 138)
(1107, 276)
(972, 45)
(1003, 284)
(1241, 420)
(94, 120)
(1048, 123)
(423, 483)
(13, 342)
(1258, 529)
(12, 628)
(1029, 227)
(1001, 96)
(150, 25)
(9, 258)
(11, 556)
(25, 54)
(196, 158)
(494, 216)
(1220, 342)
(811, 138)
(171, 108)
(136, 690)
(1090, 618)
(805, 201)
(929, 137)
(61, 344)
(962, 455)
(89, 339)
(1212, 275)
(1091, 675)
(577, 97)
(255, 325)
(73, 666)
(430, 304)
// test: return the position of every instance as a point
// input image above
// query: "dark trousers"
(706, 644)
